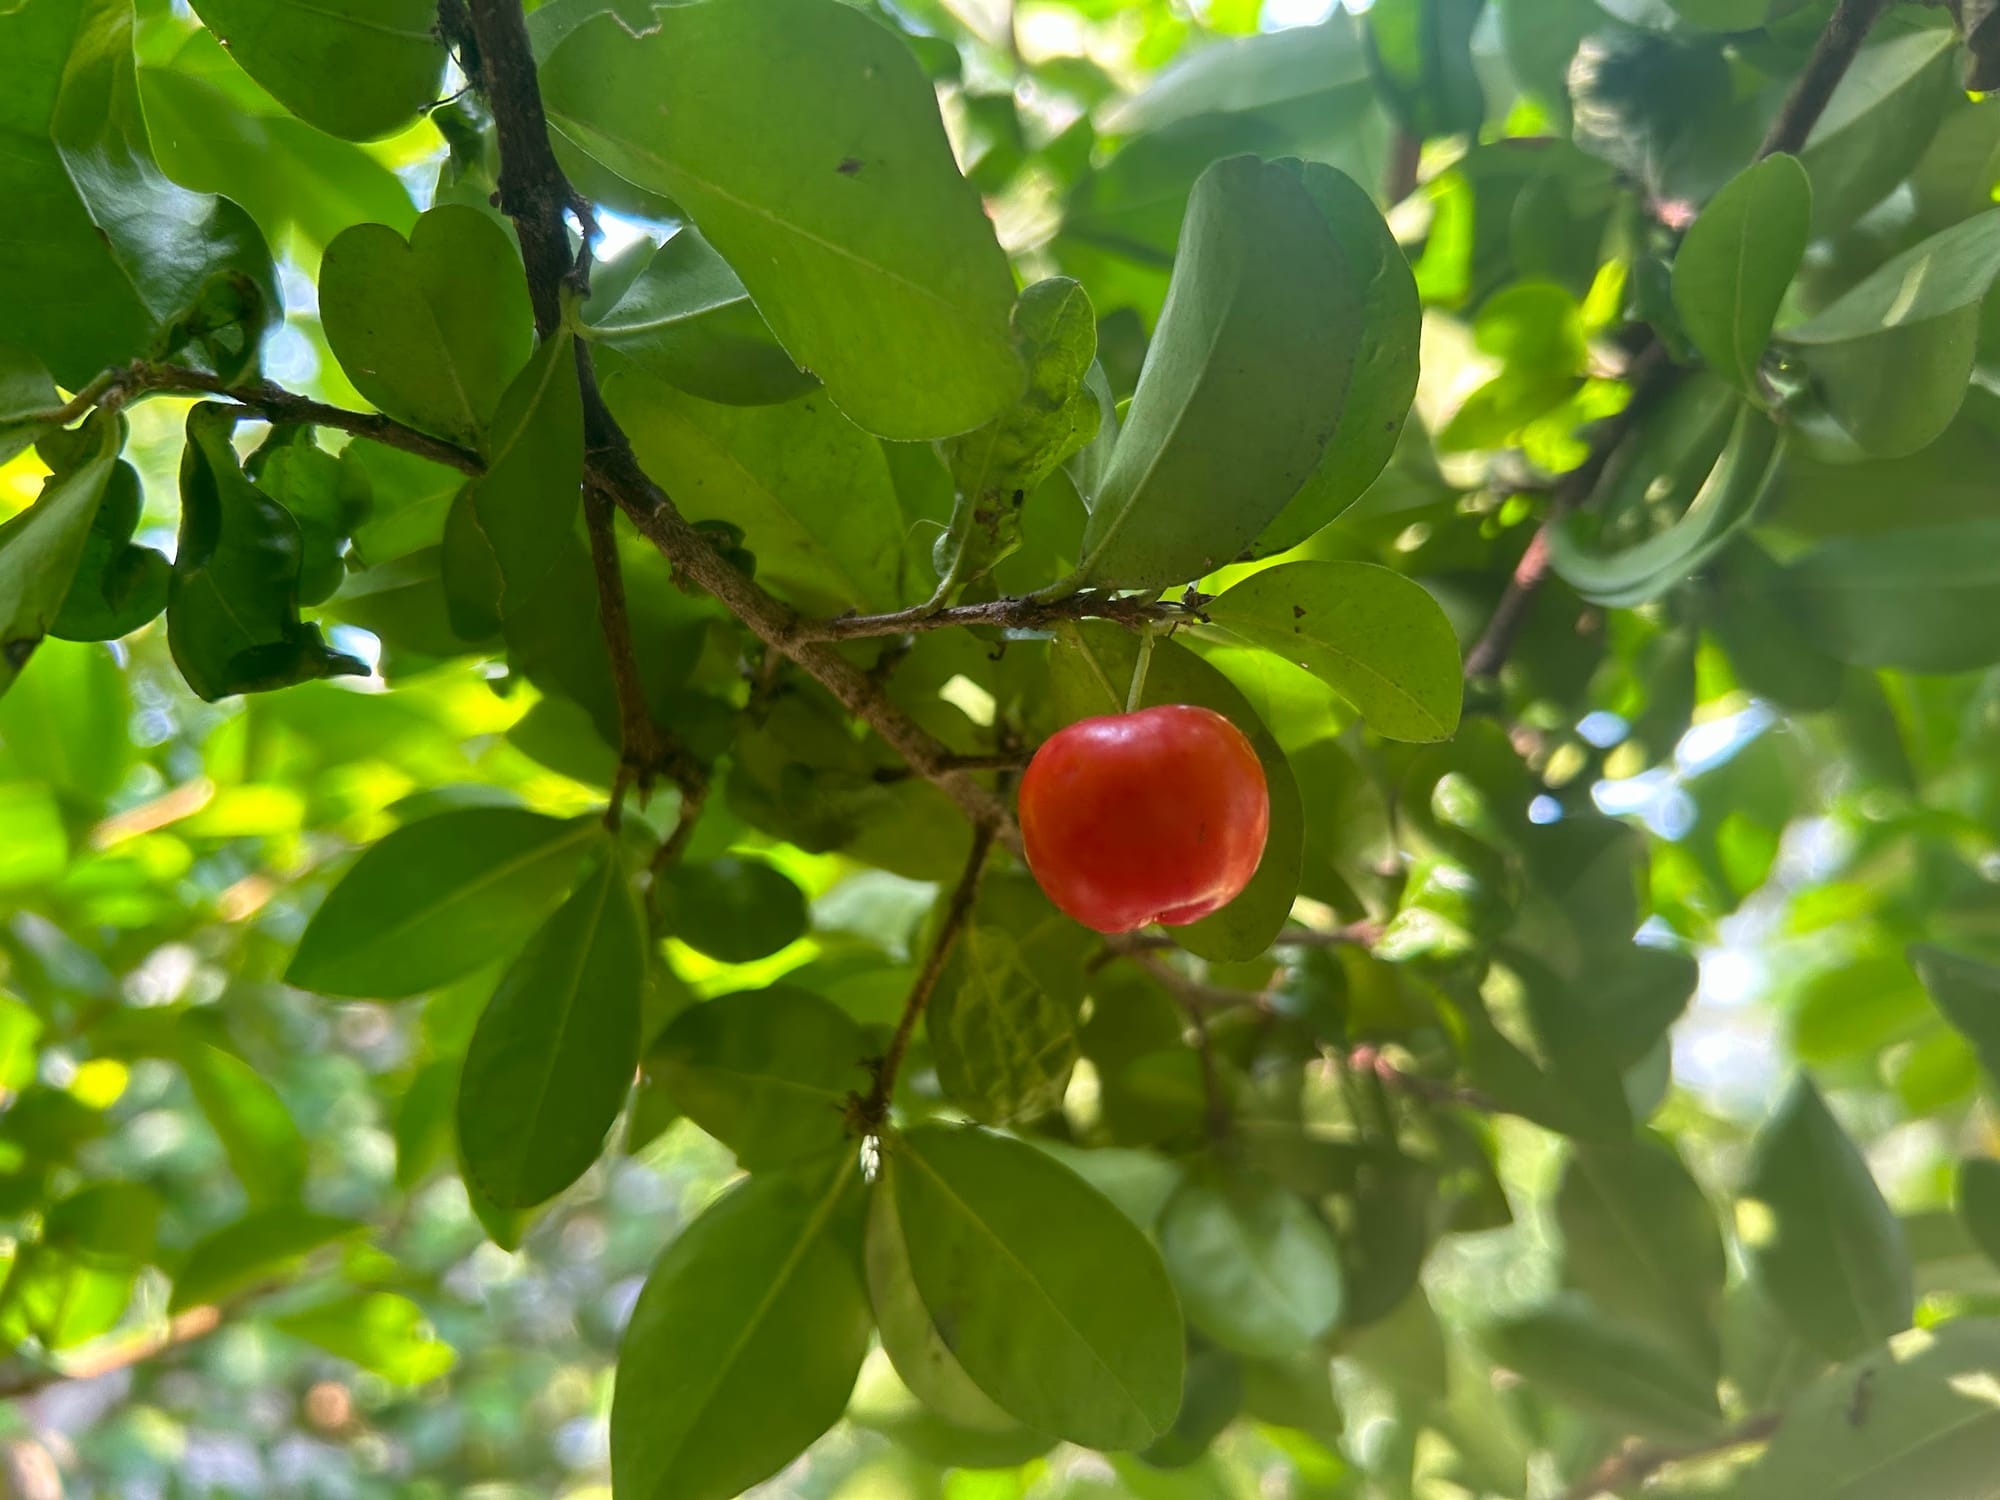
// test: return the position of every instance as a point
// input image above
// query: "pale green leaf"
(1736, 262)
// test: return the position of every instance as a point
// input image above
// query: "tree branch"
(871, 1112)
(537, 196)
(1638, 1462)
(644, 749)
(116, 388)
(1028, 613)
(1368, 1059)
(1651, 374)
(189, 1327)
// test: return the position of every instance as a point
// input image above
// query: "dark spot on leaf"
(17, 652)
(1298, 611)
(849, 166)
(1020, 496)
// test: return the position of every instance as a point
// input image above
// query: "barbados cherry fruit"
(1155, 816)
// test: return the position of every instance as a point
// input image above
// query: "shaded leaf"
(1967, 991)
(1003, 1041)
(263, 1144)
(1570, 1351)
(42, 548)
(734, 908)
(354, 68)
(117, 586)
(264, 1244)
(1736, 262)
(1257, 1270)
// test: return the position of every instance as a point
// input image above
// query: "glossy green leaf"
(687, 320)
(436, 900)
(354, 68)
(811, 492)
(1385, 340)
(822, 174)
(116, 253)
(1917, 1416)
(264, 1146)
(1089, 675)
(735, 908)
(117, 586)
(1374, 636)
(1240, 74)
(25, 391)
(431, 329)
(233, 602)
(42, 548)
(996, 469)
(511, 529)
(1877, 124)
(1569, 1350)
(766, 1072)
(1821, 1243)
(1736, 262)
(1967, 991)
(1244, 382)
(1979, 1203)
(1002, 1039)
(1891, 357)
(265, 1244)
(383, 1333)
(1052, 1301)
(744, 1344)
(1641, 1240)
(554, 1053)
(1257, 1270)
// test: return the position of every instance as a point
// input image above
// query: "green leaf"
(1924, 600)
(996, 469)
(734, 908)
(1917, 1416)
(1891, 357)
(1820, 1242)
(1640, 1239)
(1257, 1270)
(264, 1146)
(883, 1403)
(1051, 1300)
(1979, 1203)
(43, 547)
(1533, 1042)
(20, 1029)
(837, 203)
(811, 492)
(290, 176)
(554, 1053)
(431, 329)
(1088, 675)
(1878, 123)
(1968, 993)
(687, 320)
(1389, 329)
(381, 1332)
(1737, 262)
(36, 847)
(355, 68)
(263, 1245)
(115, 252)
(766, 1072)
(117, 586)
(25, 390)
(423, 1129)
(1420, 52)
(1003, 1040)
(436, 900)
(1374, 636)
(744, 1344)
(233, 603)
(1566, 1349)
(1244, 382)
(1243, 74)
(511, 529)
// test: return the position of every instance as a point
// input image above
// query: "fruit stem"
(1138, 690)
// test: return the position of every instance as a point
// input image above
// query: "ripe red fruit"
(1155, 816)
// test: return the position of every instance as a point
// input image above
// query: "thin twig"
(1633, 1465)
(1368, 1059)
(643, 749)
(1007, 614)
(999, 760)
(189, 1327)
(1650, 373)
(694, 798)
(871, 1112)
(116, 388)
(1406, 152)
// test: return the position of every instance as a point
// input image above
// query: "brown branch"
(644, 749)
(871, 1112)
(189, 1327)
(116, 388)
(694, 798)
(1406, 153)
(537, 196)
(1632, 1465)
(1650, 373)
(1368, 1059)
(1834, 53)
(1008, 614)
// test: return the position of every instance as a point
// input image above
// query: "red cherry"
(1155, 816)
